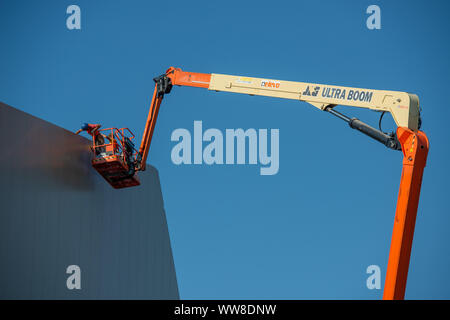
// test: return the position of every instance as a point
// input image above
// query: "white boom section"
(403, 106)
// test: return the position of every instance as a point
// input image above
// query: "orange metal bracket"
(415, 149)
(191, 79)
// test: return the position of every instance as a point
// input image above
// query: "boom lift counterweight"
(404, 108)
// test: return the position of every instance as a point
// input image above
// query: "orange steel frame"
(179, 78)
(149, 127)
(117, 134)
(415, 149)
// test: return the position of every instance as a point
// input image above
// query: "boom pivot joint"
(163, 85)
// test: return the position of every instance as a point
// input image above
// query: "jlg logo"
(270, 84)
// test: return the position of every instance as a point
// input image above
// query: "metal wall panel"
(56, 211)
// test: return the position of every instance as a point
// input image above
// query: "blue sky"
(309, 231)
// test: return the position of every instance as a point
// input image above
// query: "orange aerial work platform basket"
(115, 157)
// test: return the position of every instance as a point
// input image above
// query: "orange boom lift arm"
(404, 108)
(163, 85)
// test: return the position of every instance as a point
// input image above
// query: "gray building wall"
(56, 211)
